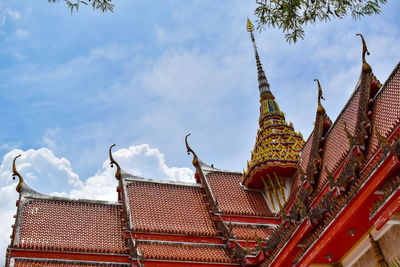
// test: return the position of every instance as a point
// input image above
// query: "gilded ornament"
(366, 67)
(16, 173)
(112, 162)
(195, 160)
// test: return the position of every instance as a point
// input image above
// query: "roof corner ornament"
(112, 162)
(195, 160)
(366, 67)
(16, 173)
(348, 135)
(383, 142)
(320, 96)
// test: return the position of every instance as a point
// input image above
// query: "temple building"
(330, 200)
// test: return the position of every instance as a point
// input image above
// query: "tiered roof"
(228, 218)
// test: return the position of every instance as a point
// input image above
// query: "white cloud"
(9, 13)
(20, 33)
(8, 196)
(13, 14)
(140, 160)
(179, 37)
(41, 170)
(51, 138)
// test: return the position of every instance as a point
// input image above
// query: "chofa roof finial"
(320, 96)
(366, 67)
(195, 161)
(16, 173)
(112, 162)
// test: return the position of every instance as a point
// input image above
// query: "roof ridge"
(387, 80)
(132, 178)
(207, 169)
(67, 199)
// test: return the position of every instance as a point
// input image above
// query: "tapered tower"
(275, 155)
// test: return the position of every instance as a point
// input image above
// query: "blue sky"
(148, 74)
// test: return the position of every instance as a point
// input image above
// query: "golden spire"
(263, 84)
(195, 160)
(249, 26)
(277, 146)
(112, 162)
(16, 173)
(320, 96)
(366, 67)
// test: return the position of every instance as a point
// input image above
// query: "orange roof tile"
(169, 208)
(59, 263)
(305, 152)
(232, 198)
(247, 231)
(386, 110)
(70, 225)
(183, 252)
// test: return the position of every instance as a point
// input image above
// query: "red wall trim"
(155, 263)
(392, 206)
(64, 255)
(390, 165)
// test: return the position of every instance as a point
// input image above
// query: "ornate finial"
(112, 162)
(16, 173)
(348, 135)
(258, 241)
(330, 177)
(249, 26)
(230, 228)
(320, 96)
(195, 161)
(382, 141)
(366, 67)
(248, 251)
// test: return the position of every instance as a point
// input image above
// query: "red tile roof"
(386, 110)
(247, 231)
(337, 144)
(169, 208)
(183, 252)
(72, 226)
(232, 198)
(58, 263)
(305, 152)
